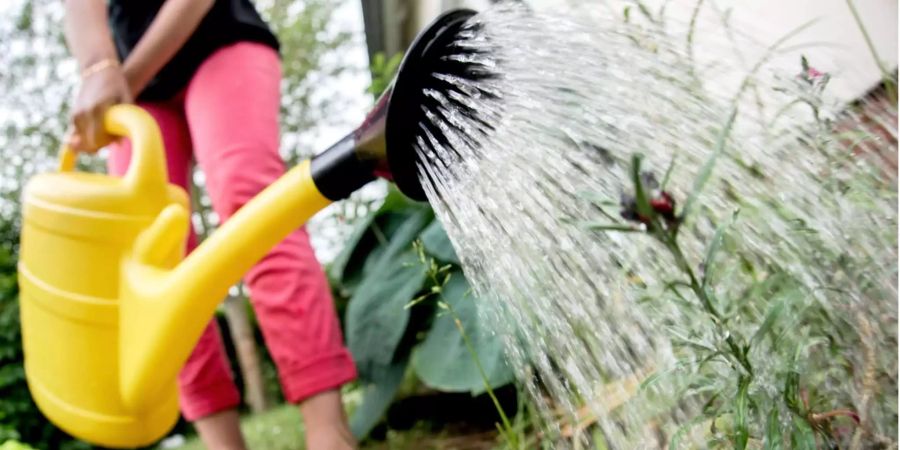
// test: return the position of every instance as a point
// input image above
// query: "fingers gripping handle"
(148, 165)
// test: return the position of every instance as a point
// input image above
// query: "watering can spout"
(111, 308)
(164, 310)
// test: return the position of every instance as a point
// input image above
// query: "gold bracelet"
(98, 66)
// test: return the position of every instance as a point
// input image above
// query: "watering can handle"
(148, 164)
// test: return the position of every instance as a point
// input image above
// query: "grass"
(282, 429)
(277, 429)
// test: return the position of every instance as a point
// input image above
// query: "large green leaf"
(444, 362)
(437, 243)
(377, 396)
(358, 245)
(374, 238)
(376, 315)
(369, 236)
(399, 239)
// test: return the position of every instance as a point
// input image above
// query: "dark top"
(227, 22)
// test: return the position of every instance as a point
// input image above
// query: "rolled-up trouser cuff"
(318, 375)
(208, 400)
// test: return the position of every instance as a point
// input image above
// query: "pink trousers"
(227, 119)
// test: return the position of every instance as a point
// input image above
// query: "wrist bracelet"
(98, 66)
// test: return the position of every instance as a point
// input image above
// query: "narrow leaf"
(742, 404)
(665, 181)
(714, 248)
(608, 227)
(643, 204)
(775, 309)
(802, 436)
(682, 430)
(773, 431)
(706, 170)
(646, 12)
(792, 392)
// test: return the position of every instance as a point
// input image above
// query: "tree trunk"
(245, 348)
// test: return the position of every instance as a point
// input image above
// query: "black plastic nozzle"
(385, 145)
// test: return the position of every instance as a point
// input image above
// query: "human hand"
(103, 84)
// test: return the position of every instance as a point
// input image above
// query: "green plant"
(450, 292)
(382, 274)
(383, 69)
(754, 308)
(15, 445)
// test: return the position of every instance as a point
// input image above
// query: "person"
(209, 73)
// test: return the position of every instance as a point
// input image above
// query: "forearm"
(87, 32)
(174, 24)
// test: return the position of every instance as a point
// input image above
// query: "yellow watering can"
(110, 312)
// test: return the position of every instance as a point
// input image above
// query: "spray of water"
(790, 235)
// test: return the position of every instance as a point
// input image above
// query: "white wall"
(833, 43)
(836, 43)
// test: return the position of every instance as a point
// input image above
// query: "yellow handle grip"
(148, 160)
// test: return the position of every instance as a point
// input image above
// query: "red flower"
(664, 205)
(661, 202)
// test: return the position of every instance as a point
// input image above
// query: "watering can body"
(110, 308)
(77, 228)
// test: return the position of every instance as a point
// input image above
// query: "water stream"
(606, 332)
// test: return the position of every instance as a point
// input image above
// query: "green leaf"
(706, 170)
(396, 201)
(15, 445)
(444, 362)
(376, 314)
(597, 226)
(438, 244)
(26, 17)
(774, 440)
(599, 440)
(792, 392)
(741, 407)
(709, 260)
(390, 68)
(684, 429)
(377, 397)
(400, 239)
(776, 306)
(646, 12)
(367, 243)
(665, 181)
(802, 435)
(374, 239)
(378, 61)
(354, 249)
(643, 204)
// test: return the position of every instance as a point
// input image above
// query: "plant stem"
(433, 273)
(487, 384)
(701, 294)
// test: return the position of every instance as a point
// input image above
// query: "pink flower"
(813, 74)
